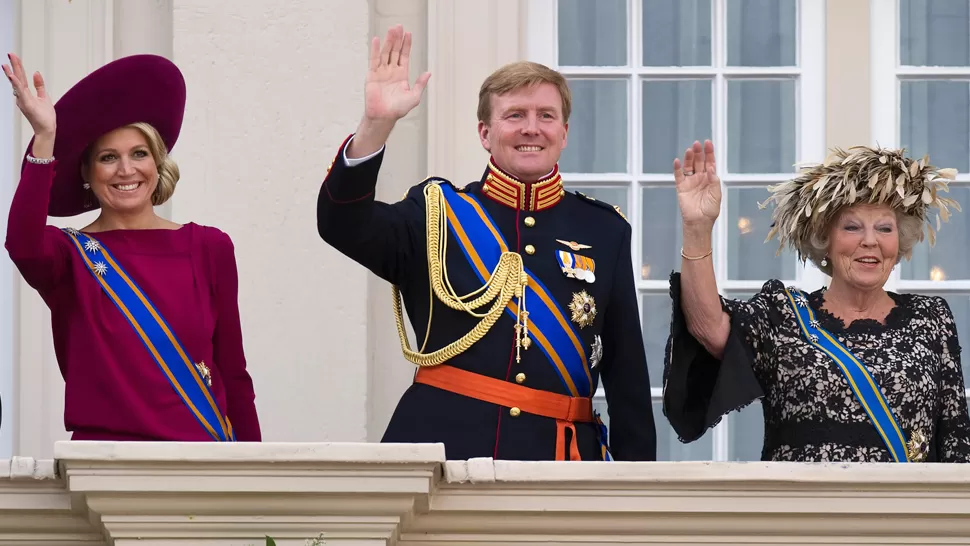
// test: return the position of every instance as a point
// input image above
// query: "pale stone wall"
(847, 61)
(273, 89)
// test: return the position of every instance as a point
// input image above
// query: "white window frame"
(542, 45)
(886, 75)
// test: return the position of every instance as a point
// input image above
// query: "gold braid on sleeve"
(507, 280)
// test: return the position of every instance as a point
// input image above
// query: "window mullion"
(884, 47)
(720, 435)
(635, 158)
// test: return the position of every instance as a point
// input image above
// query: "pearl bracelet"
(35, 161)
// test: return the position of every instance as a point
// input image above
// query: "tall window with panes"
(921, 102)
(649, 77)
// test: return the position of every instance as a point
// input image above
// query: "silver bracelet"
(35, 161)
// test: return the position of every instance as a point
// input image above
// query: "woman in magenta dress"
(144, 311)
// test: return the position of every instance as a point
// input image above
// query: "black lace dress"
(810, 412)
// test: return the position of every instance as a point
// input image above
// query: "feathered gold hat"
(806, 205)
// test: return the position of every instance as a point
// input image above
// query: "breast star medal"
(583, 308)
(597, 354)
(204, 372)
(918, 447)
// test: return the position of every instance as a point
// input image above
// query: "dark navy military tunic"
(390, 240)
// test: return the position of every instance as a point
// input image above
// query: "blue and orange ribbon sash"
(572, 262)
(604, 437)
(155, 334)
(483, 245)
(860, 380)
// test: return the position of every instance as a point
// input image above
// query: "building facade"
(274, 88)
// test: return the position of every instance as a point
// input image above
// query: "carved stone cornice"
(503, 502)
(149, 494)
(37, 510)
(171, 493)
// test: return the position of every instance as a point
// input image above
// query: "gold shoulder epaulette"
(604, 204)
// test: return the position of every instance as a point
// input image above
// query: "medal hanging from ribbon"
(576, 266)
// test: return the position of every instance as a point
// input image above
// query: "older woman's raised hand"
(698, 186)
(36, 107)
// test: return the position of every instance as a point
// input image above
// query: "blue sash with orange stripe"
(155, 333)
(483, 245)
(604, 437)
(860, 380)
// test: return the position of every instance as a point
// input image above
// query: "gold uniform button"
(514, 412)
(530, 250)
(530, 221)
(520, 378)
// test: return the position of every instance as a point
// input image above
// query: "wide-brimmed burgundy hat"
(139, 88)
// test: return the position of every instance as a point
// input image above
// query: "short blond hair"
(515, 76)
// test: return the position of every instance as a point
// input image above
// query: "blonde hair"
(168, 170)
(514, 76)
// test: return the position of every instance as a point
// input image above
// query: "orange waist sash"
(566, 410)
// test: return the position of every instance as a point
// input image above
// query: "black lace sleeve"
(700, 389)
(953, 427)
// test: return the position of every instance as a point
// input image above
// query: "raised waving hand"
(698, 186)
(35, 105)
(388, 94)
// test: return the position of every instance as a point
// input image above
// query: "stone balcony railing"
(372, 494)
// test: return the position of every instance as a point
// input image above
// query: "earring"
(825, 261)
(88, 200)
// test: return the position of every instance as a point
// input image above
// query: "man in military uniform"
(522, 293)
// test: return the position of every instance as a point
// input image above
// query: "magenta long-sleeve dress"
(114, 388)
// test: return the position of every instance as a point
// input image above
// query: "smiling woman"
(129, 171)
(147, 351)
(848, 373)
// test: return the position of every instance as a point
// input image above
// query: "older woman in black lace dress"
(847, 373)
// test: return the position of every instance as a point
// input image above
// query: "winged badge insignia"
(573, 245)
